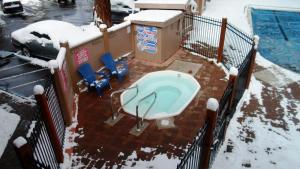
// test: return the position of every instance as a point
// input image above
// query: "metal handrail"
(115, 115)
(138, 123)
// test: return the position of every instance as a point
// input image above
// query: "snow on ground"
(122, 5)
(8, 124)
(264, 131)
(31, 2)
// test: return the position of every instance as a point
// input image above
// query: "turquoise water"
(173, 94)
(279, 33)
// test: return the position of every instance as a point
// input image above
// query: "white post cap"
(256, 41)
(212, 104)
(19, 142)
(103, 26)
(233, 71)
(38, 90)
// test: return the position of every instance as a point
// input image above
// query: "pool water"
(174, 91)
(279, 33)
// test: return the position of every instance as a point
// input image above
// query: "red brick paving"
(103, 143)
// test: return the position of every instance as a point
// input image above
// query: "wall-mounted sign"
(146, 38)
(81, 55)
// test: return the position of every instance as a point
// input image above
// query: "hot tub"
(169, 93)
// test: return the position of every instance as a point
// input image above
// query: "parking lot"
(19, 76)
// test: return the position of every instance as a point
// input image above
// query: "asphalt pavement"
(18, 76)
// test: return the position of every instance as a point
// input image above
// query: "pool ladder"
(140, 123)
(116, 116)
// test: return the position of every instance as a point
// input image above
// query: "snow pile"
(212, 104)
(158, 161)
(8, 124)
(154, 15)
(69, 142)
(19, 142)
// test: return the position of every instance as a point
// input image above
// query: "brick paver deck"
(103, 144)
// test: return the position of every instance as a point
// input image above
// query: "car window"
(40, 35)
(36, 34)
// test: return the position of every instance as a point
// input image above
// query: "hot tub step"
(134, 131)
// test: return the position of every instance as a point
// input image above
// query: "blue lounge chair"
(89, 76)
(117, 68)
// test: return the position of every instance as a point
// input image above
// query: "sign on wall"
(81, 55)
(147, 39)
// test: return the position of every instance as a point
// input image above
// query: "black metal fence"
(202, 35)
(38, 136)
(39, 140)
(193, 155)
(236, 47)
(55, 110)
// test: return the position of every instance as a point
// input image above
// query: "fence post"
(252, 62)
(211, 109)
(103, 29)
(24, 153)
(232, 79)
(222, 40)
(46, 116)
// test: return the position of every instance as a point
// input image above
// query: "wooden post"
(24, 153)
(232, 79)
(46, 115)
(222, 40)
(103, 11)
(211, 108)
(252, 62)
(103, 29)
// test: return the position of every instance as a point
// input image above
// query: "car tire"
(26, 52)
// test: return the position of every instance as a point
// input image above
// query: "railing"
(115, 114)
(213, 38)
(139, 123)
(201, 35)
(39, 140)
(192, 157)
(46, 133)
(55, 110)
(237, 46)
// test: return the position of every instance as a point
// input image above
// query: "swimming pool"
(279, 33)
(173, 92)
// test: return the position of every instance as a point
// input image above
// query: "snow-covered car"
(42, 39)
(11, 6)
